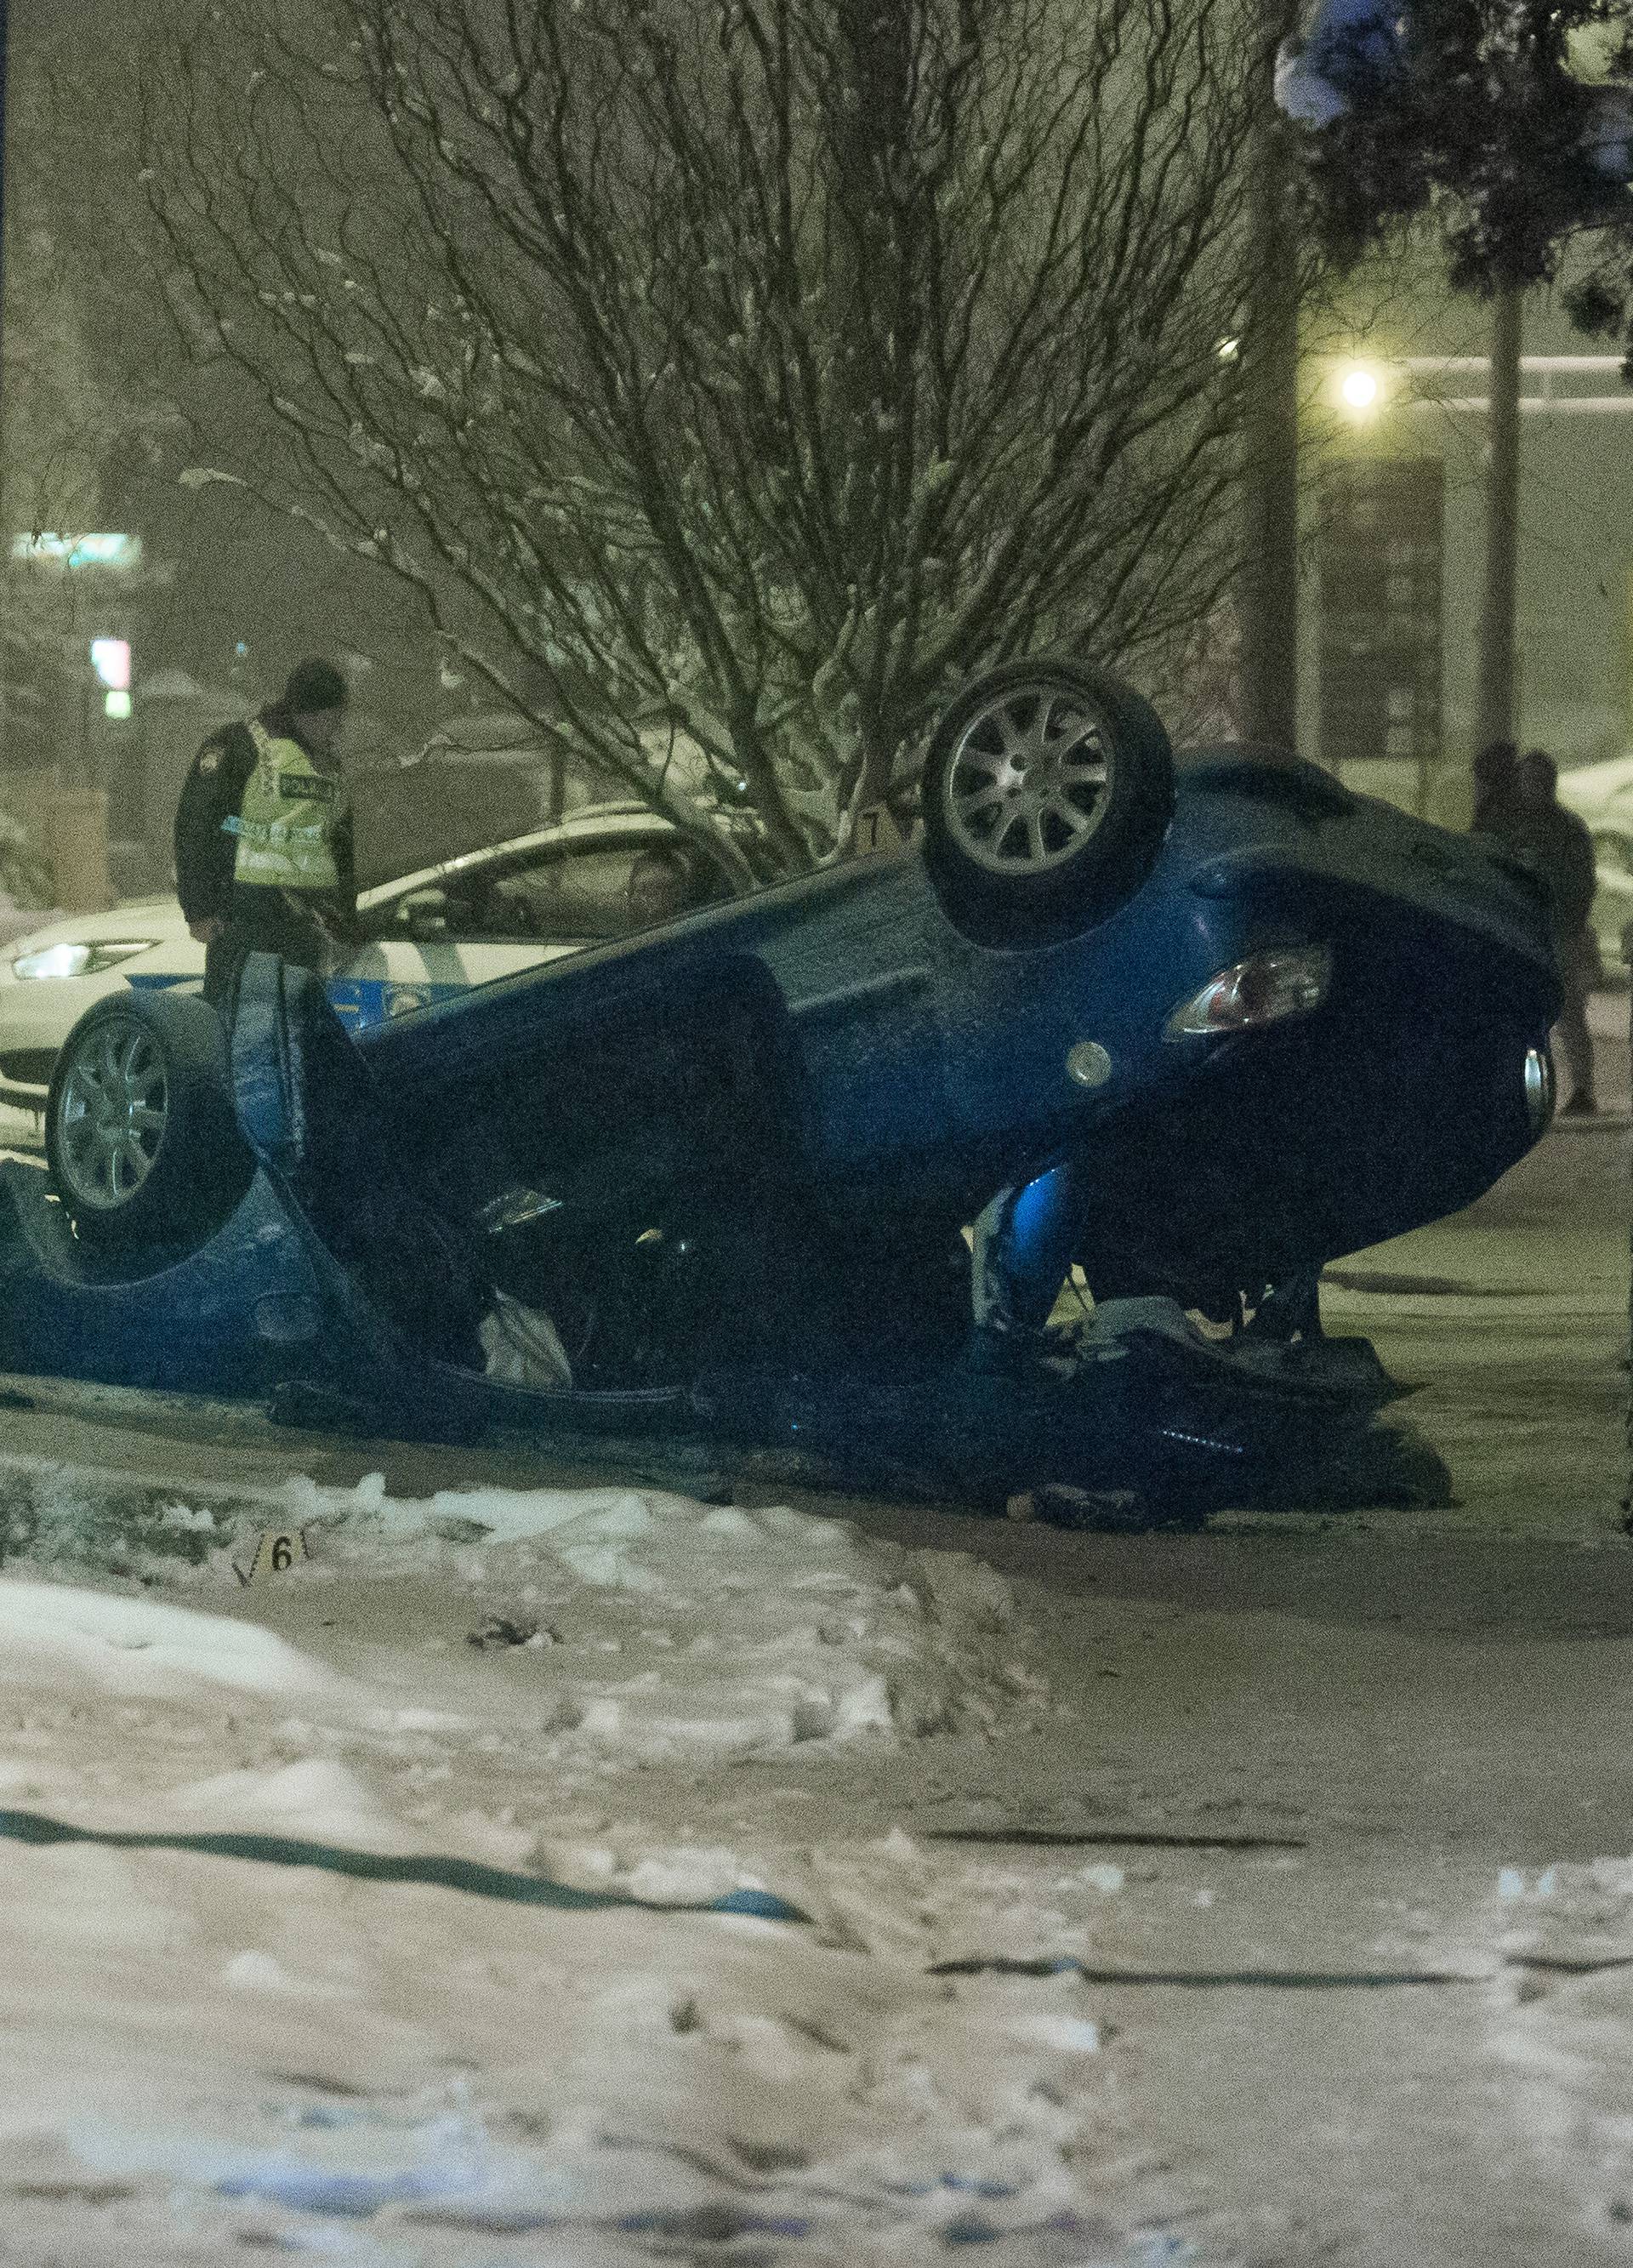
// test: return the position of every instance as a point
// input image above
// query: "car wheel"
(141, 1139)
(1047, 791)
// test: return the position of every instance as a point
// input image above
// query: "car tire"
(144, 1149)
(1047, 791)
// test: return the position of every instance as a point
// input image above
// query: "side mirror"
(424, 916)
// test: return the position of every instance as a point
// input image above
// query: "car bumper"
(1400, 1100)
(37, 1015)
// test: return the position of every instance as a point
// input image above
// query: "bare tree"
(727, 376)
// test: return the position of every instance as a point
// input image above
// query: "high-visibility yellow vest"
(285, 828)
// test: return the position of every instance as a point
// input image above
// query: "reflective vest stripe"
(273, 830)
(286, 828)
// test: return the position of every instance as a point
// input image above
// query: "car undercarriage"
(757, 1328)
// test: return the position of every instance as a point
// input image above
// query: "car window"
(558, 893)
(581, 895)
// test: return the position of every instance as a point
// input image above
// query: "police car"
(428, 937)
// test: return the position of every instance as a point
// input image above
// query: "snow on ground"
(50, 1635)
(641, 1624)
(220, 2046)
(22, 1134)
(204, 2059)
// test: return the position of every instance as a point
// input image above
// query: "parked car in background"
(427, 935)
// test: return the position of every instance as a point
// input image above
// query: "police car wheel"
(1047, 790)
(140, 1140)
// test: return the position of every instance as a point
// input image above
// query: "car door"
(429, 942)
(490, 915)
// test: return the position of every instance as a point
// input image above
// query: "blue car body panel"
(917, 1068)
(358, 1001)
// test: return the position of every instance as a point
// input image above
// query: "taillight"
(1288, 980)
(1540, 1090)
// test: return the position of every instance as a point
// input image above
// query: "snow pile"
(217, 2049)
(616, 1623)
(1561, 2031)
(658, 1627)
(53, 1635)
(59, 1515)
(315, 1799)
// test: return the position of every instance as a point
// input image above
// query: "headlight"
(1289, 981)
(80, 960)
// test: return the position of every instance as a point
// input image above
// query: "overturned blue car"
(1007, 1159)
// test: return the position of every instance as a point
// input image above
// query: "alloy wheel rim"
(112, 1114)
(1030, 780)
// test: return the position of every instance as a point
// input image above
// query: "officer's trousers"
(262, 920)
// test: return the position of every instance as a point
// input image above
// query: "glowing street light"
(1358, 389)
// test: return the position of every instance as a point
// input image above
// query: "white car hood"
(155, 919)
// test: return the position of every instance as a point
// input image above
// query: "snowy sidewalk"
(213, 2047)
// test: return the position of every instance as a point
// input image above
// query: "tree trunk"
(1494, 706)
(4, 42)
(1268, 589)
(5, 35)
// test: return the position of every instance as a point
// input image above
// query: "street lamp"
(1360, 389)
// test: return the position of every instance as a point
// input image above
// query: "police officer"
(263, 836)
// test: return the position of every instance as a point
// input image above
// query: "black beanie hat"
(314, 686)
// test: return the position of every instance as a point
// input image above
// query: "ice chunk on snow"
(315, 1800)
(1066, 2034)
(688, 1876)
(864, 1707)
(256, 1972)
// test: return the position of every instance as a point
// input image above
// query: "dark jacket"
(1562, 849)
(212, 793)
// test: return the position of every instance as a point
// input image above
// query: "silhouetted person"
(1495, 789)
(1560, 845)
